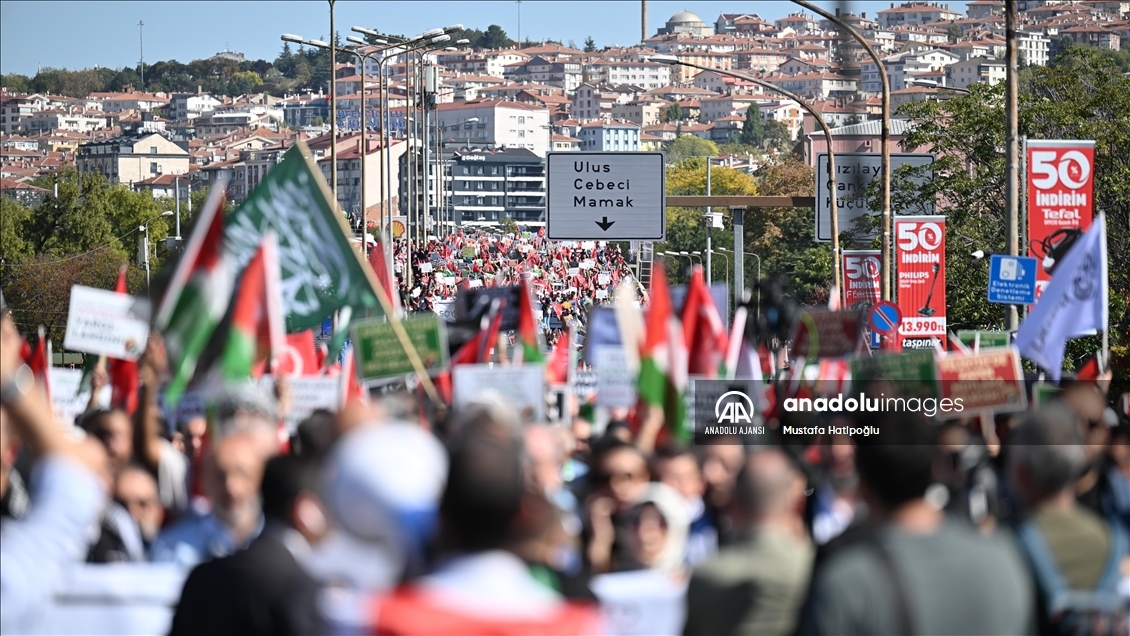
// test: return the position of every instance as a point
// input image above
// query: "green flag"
(321, 270)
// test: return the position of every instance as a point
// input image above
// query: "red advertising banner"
(821, 333)
(989, 381)
(861, 278)
(1060, 194)
(920, 243)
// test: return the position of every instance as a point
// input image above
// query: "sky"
(89, 34)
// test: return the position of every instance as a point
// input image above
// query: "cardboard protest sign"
(426, 268)
(615, 382)
(307, 394)
(990, 381)
(602, 330)
(67, 402)
(522, 385)
(107, 323)
(380, 354)
(445, 309)
(472, 304)
(822, 333)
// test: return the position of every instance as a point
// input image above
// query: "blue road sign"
(1012, 279)
(885, 317)
(876, 339)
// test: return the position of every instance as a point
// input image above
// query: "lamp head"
(317, 43)
(290, 37)
(664, 59)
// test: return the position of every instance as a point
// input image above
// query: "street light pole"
(145, 228)
(836, 274)
(884, 139)
(333, 106)
(1012, 155)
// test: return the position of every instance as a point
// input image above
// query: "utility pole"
(333, 107)
(709, 223)
(141, 47)
(519, 3)
(1012, 158)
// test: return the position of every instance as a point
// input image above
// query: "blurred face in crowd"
(255, 427)
(136, 490)
(720, 467)
(232, 475)
(624, 475)
(115, 431)
(649, 535)
(194, 430)
(544, 456)
(682, 474)
(1120, 449)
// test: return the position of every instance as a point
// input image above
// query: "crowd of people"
(375, 520)
(566, 277)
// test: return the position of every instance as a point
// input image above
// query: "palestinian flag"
(198, 294)
(125, 380)
(703, 330)
(256, 334)
(530, 351)
(663, 358)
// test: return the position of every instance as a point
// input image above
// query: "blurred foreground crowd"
(377, 520)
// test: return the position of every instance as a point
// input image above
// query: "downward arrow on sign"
(605, 224)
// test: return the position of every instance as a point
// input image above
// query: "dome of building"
(684, 17)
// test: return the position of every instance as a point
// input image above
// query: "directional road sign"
(1012, 279)
(885, 317)
(606, 196)
(854, 172)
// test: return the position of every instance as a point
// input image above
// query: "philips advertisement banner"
(921, 248)
(1060, 196)
(861, 278)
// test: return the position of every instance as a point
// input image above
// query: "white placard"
(603, 279)
(426, 268)
(588, 245)
(615, 383)
(573, 271)
(475, 283)
(606, 196)
(523, 385)
(107, 323)
(601, 294)
(66, 402)
(445, 309)
(307, 394)
(588, 263)
(640, 602)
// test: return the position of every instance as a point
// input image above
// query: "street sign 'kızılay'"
(854, 173)
(608, 196)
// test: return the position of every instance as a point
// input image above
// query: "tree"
(494, 38)
(776, 136)
(954, 33)
(16, 83)
(1079, 95)
(508, 225)
(687, 146)
(244, 82)
(590, 45)
(673, 113)
(688, 177)
(753, 131)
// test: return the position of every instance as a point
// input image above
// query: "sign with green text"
(910, 374)
(321, 272)
(989, 339)
(379, 354)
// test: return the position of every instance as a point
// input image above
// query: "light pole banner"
(861, 278)
(1061, 181)
(921, 250)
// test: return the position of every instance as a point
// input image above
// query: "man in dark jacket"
(264, 589)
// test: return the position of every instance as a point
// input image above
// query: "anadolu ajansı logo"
(734, 408)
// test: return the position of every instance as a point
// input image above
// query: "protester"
(479, 587)
(620, 479)
(678, 467)
(1071, 549)
(721, 463)
(916, 572)
(232, 473)
(68, 492)
(136, 491)
(265, 589)
(757, 585)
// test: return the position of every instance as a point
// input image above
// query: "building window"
(152, 150)
(521, 120)
(153, 167)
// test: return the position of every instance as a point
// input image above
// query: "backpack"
(1099, 611)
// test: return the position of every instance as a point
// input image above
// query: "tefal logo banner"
(861, 278)
(1061, 181)
(921, 249)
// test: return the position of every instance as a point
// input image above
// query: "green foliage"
(1080, 95)
(753, 130)
(508, 225)
(493, 38)
(776, 136)
(687, 146)
(954, 33)
(590, 45)
(674, 112)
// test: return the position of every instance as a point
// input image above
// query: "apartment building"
(916, 13)
(610, 136)
(982, 70)
(495, 123)
(133, 158)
